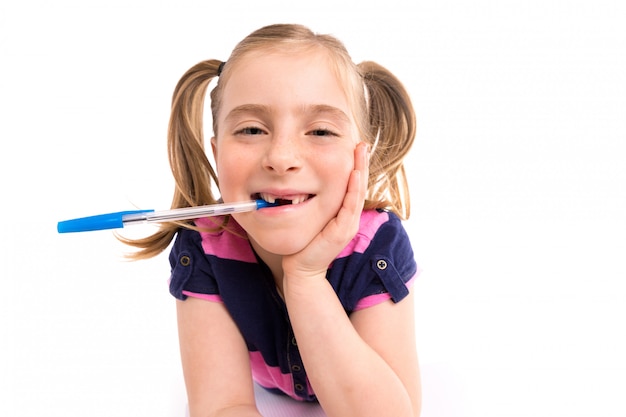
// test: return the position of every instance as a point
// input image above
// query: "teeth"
(299, 199)
(295, 199)
(268, 197)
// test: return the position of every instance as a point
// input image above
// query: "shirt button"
(298, 387)
(381, 264)
(185, 260)
(293, 341)
(296, 368)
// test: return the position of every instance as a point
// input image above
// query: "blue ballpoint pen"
(122, 218)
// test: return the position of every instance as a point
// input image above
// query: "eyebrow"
(315, 109)
(324, 108)
(248, 108)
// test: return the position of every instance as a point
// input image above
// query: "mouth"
(283, 200)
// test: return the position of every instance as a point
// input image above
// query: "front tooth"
(298, 200)
(268, 197)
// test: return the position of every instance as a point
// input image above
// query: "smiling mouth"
(283, 200)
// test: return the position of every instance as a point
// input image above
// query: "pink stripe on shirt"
(214, 298)
(271, 376)
(226, 244)
(376, 299)
(371, 220)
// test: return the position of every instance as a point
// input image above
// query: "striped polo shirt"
(377, 265)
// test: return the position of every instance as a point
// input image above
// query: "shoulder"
(376, 228)
(222, 237)
(379, 260)
(201, 260)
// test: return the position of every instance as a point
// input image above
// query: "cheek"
(338, 164)
(336, 170)
(230, 173)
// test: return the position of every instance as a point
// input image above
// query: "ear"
(214, 148)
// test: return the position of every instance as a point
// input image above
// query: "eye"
(322, 132)
(250, 131)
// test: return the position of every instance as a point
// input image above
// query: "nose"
(282, 155)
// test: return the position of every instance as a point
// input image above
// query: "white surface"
(272, 405)
(518, 181)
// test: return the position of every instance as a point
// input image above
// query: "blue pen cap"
(262, 204)
(99, 222)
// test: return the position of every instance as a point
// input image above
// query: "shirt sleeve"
(191, 272)
(384, 269)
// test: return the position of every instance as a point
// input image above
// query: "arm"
(363, 366)
(216, 363)
(389, 329)
(360, 366)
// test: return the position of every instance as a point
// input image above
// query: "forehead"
(280, 78)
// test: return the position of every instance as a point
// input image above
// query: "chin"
(282, 248)
(280, 245)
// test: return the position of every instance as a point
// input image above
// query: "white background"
(518, 185)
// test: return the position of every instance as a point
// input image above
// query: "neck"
(274, 263)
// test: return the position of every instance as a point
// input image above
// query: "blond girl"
(310, 298)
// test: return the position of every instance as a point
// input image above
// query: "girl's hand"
(317, 256)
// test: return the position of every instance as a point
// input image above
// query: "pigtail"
(392, 126)
(192, 171)
(190, 166)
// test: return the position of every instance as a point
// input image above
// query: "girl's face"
(285, 132)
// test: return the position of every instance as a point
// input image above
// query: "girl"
(310, 298)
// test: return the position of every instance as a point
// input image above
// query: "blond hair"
(381, 108)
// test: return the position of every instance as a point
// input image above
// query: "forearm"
(215, 361)
(237, 411)
(348, 376)
(240, 410)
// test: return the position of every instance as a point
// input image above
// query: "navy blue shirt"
(377, 265)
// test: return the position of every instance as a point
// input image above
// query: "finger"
(350, 212)
(362, 159)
